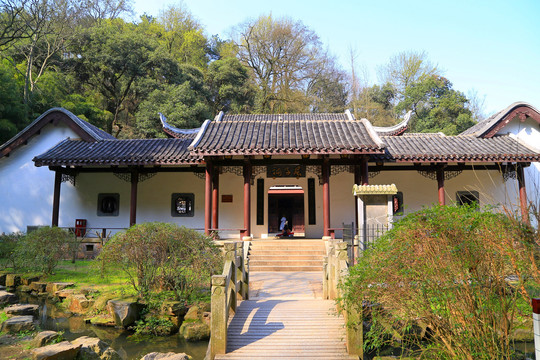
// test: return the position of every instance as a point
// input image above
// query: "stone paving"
(289, 285)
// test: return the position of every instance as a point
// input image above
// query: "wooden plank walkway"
(286, 322)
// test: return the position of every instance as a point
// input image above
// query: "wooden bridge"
(278, 313)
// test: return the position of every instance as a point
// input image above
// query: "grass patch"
(3, 317)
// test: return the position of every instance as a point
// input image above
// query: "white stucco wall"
(154, 198)
(528, 132)
(27, 191)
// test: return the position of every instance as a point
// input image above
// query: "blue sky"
(491, 47)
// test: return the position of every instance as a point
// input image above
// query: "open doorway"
(286, 201)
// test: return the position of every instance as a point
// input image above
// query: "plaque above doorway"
(284, 171)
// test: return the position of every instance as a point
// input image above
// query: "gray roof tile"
(118, 152)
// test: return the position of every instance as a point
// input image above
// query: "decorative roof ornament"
(374, 190)
(175, 132)
(395, 130)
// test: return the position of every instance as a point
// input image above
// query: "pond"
(52, 317)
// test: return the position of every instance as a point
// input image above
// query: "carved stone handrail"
(227, 288)
(335, 270)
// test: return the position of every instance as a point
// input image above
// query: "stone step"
(259, 252)
(285, 262)
(285, 268)
(286, 257)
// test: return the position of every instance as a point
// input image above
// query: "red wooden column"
(365, 171)
(133, 201)
(440, 185)
(215, 199)
(247, 198)
(208, 198)
(522, 194)
(56, 197)
(326, 196)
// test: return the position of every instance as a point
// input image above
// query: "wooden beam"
(523, 195)
(326, 196)
(56, 198)
(247, 198)
(133, 199)
(208, 198)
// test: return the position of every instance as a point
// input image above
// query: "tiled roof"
(287, 133)
(427, 147)
(483, 128)
(118, 152)
(83, 128)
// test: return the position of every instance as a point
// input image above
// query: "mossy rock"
(101, 320)
(193, 313)
(195, 331)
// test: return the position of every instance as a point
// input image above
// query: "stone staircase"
(286, 329)
(286, 255)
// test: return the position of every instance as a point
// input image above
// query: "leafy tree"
(230, 86)
(436, 106)
(376, 104)
(12, 109)
(183, 36)
(111, 57)
(184, 103)
(281, 54)
(327, 90)
(405, 69)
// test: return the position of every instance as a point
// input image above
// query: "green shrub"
(8, 245)
(447, 268)
(162, 256)
(42, 249)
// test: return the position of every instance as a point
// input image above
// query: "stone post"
(218, 320)
(341, 255)
(331, 270)
(355, 332)
(325, 278)
(240, 272)
(230, 255)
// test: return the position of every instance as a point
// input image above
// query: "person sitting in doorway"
(284, 227)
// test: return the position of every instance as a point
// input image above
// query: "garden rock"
(64, 293)
(46, 337)
(166, 356)
(7, 298)
(2, 287)
(39, 287)
(12, 280)
(29, 280)
(53, 287)
(101, 320)
(24, 288)
(19, 323)
(174, 308)
(79, 303)
(193, 313)
(22, 309)
(61, 351)
(125, 313)
(94, 349)
(195, 331)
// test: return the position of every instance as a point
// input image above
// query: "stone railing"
(335, 270)
(227, 288)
